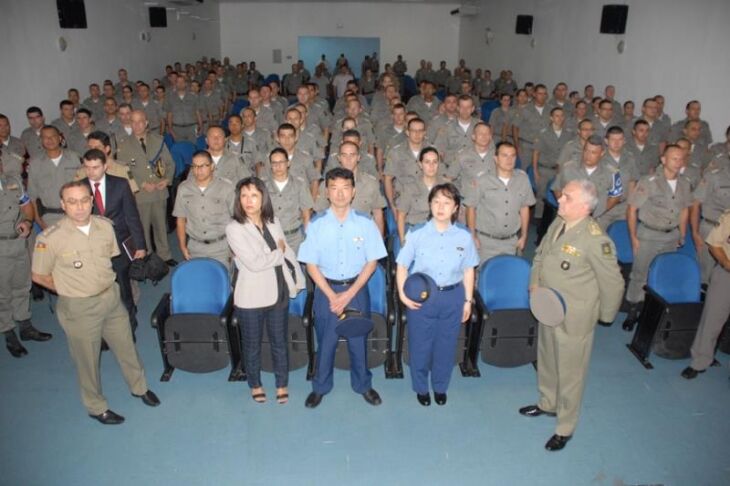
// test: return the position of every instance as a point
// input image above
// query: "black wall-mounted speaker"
(524, 25)
(158, 17)
(613, 19)
(71, 14)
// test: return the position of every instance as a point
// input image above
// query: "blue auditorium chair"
(441, 94)
(618, 231)
(672, 309)
(271, 77)
(504, 329)
(238, 106)
(182, 154)
(200, 143)
(193, 326)
(169, 141)
(409, 86)
(487, 108)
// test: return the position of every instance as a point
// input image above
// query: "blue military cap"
(353, 323)
(548, 306)
(418, 287)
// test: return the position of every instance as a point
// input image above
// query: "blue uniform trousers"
(324, 324)
(432, 334)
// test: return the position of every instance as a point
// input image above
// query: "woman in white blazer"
(268, 275)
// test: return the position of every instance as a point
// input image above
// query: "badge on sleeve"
(606, 248)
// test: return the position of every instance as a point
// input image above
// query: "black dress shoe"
(108, 418)
(14, 346)
(557, 442)
(32, 334)
(372, 397)
(534, 411)
(424, 399)
(149, 398)
(171, 262)
(104, 345)
(690, 373)
(439, 398)
(313, 399)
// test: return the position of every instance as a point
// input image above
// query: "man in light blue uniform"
(446, 253)
(341, 250)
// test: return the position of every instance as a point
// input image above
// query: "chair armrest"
(161, 312)
(307, 317)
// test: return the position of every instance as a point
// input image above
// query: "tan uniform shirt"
(207, 211)
(142, 170)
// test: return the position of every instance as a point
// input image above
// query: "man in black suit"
(113, 199)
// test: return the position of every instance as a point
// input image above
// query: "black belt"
(660, 230)
(499, 237)
(711, 221)
(448, 287)
(292, 231)
(347, 281)
(184, 125)
(208, 242)
(13, 237)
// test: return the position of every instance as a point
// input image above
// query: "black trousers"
(120, 265)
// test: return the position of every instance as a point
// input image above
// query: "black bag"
(150, 267)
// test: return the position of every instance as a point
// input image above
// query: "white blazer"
(256, 262)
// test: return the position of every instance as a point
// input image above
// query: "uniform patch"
(594, 229)
(606, 249)
(570, 250)
(565, 265)
(40, 246)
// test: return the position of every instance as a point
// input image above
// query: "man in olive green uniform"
(31, 136)
(47, 173)
(229, 166)
(12, 150)
(16, 222)
(457, 133)
(498, 206)
(472, 161)
(577, 260)
(619, 157)
(290, 197)
(73, 258)
(184, 120)
(657, 219)
(203, 208)
(717, 305)
(548, 145)
(645, 152)
(153, 169)
(368, 198)
(401, 161)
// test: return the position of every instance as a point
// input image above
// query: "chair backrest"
(618, 231)
(390, 224)
(504, 283)
(441, 94)
(201, 143)
(675, 277)
(238, 106)
(530, 171)
(550, 195)
(182, 154)
(377, 291)
(688, 248)
(169, 141)
(487, 109)
(271, 77)
(199, 286)
(409, 84)
(395, 246)
(296, 305)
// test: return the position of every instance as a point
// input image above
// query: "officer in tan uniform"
(290, 197)
(153, 169)
(73, 258)
(657, 219)
(368, 198)
(577, 260)
(12, 150)
(16, 222)
(717, 305)
(184, 120)
(47, 173)
(31, 136)
(476, 159)
(203, 208)
(230, 166)
(498, 206)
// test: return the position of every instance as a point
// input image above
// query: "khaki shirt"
(469, 164)
(96, 107)
(290, 202)
(605, 177)
(208, 211)
(45, 178)
(32, 142)
(646, 158)
(581, 266)
(720, 234)
(231, 167)
(142, 171)
(659, 207)
(413, 200)
(549, 145)
(387, 137)
(531, 122)
(425, 112)
(498, 205)
(154, 112)
(11, 163)
(453, 138)
(12, 196)
(247, 150)
(713, 192)
(80, 265)
(497, 120)
(184, 110)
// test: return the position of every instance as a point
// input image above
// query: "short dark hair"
(278, 150)
(640, 122)
(202, 153)
(83, 111)
(267, 209)
(449, 190)
(101, 137)
(34, 109)
(428, 150)
(95, 154)
(351, 133)
(415, 120)
(71, 184)
(504, 144)
(286, 126)
(557, 108)
(595, 140)
(339, 173)
(65, 103)
(614, 130)
(235, 116)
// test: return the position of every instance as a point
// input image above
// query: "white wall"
(675, 47)
(250, 31)
(33, 71)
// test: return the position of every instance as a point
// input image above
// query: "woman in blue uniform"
(446, 253)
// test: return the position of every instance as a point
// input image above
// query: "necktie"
(97, 198)
(144, 147)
